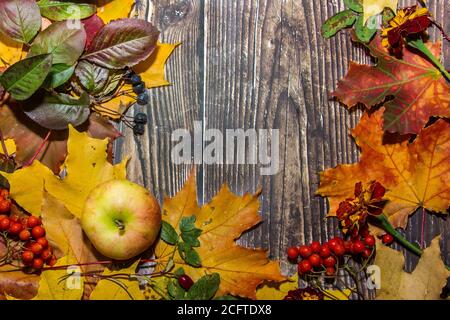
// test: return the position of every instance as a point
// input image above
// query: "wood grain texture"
(261, 64)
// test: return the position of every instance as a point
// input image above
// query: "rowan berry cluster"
(28, 230)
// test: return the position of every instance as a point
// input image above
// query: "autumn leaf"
(112, 10)
(424, 283)
(86, 166)
(10, 51)
(29, 136)
(152, 69)
(418, 89)
(66, 236)
(122, 288)
(10, 147)
(17, 284)
(277, 291)
(415, 174)
(373, 7)
(222, 220)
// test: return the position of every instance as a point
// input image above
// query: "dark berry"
(140, 118)
(185, 282)
(139, 88)
(143, 99)
(135, 79)
(138, 129)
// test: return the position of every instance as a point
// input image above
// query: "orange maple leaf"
(415, 174)
(418, 89)
(222, 220)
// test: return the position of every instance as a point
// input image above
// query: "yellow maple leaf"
(61, 284)
(277, 291)
(86, 167)
(152, 69)
(122, 288)
(424, 283)
(222, 220)
(10, 51)
(373, 7)
(415, 174)
(115, 107)
(112, 10)
(10, 147)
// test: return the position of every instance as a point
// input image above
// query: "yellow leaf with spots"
(85, 167)
(10, 51)
(222, 221)
(112, 10)
(61, 284)
(373, 7)
(152, 69)
(424, 283)
(119, 287)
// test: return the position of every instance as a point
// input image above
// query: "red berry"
(4, 224)
(15, 228)
(185, 282)
(358, 246)
(348, 246)
(325, 252)
(38, 232)
(315, 260)
(315, 246)
(330, 271)
(305, 251)
(367, 253)
(34, 221)
(304, 267)
(292, 253)
(27, 256)
(38, 263)
(369, 240)
(387, 239)
(5, 206)
(14, 218)
(28, 245)
(339, 250)
(24, 222)
(329, 262)
(36, 248)
(46, 254)
(334, 242)
(43, 242)
(24, 235)
(3, 216)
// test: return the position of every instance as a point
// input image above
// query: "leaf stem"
(420, 45)
(387, 226)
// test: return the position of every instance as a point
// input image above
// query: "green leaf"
(338, 22)
(122, 43)
(20, 19)
(168, 234)
(178, 272)
(57, 111)
(187, 223)
(25, 77)
(205, 288)
(92, 77)
(364, 33)
(189, 255)
(191, 237)
(60, 11)
(64, 43)
(354, 5)
(175, 290)
(59, 74)
(387, 16)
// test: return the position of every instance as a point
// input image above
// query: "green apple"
(121, 218)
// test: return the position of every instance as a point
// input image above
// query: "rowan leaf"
(424, 283)
(418, 89)
(20, 20)
(373, 7)
(25, 77)
(222, 220)
(60, 11)
(110, 10)
(415, 174)
(29, 136)
(122, 43)
(118, 289)
(64, 43)
(86, 167)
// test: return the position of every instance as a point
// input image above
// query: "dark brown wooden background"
(261, 64)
